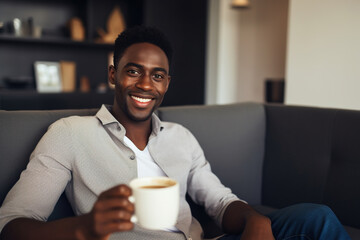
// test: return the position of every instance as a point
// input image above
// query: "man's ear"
(111, 74)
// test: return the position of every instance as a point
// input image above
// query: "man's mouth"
(140, 99)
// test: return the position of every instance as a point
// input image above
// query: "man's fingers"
(114, 203)
(112, 211)
(116, 216)
(106, 222)
(115, 227)
(117, 191)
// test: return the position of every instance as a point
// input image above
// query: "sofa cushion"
(343, 185)
(353, 232)
(232, 137)
(297, 154)
(312, 155)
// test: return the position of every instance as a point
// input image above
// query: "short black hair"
(141, 34)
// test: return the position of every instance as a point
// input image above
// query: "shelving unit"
(184, 22)
(30, 100)
(19, 53)
(6, 38)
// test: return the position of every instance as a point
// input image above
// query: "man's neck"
(137, 132)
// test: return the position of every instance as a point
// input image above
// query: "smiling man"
(94, 158)
(141, 79)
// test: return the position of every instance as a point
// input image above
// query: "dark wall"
(184, 22)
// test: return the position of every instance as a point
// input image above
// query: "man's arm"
(239, 217)
(111, 213)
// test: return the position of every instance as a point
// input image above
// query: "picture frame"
(48, 76)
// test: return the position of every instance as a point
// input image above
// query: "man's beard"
(137, 119)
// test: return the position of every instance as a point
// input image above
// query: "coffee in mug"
(156, 201)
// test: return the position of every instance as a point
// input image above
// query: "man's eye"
(158, 76)
(133, 72)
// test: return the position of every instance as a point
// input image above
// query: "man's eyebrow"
(131, 64)
(160, 70)
(157, 69)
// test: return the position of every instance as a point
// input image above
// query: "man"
(94, 158)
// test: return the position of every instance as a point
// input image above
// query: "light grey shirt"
(87, 155)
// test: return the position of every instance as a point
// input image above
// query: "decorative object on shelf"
(85, 84)
(274, 90)
(21, 27)
(76, 29)
(48, 76)
(37, 32)
(240, 3)
(115, 25)
(68, 74)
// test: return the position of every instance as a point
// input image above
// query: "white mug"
(156, 201)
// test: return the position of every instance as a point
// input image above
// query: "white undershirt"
(147, 167)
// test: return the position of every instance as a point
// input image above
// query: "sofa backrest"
(20, 131)
(313, 155)
(232, 137)
(217, 128)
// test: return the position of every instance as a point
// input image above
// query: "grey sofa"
(270, 155)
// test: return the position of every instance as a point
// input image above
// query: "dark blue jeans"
(304, 222)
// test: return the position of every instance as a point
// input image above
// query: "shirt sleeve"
(44, 179)
(205, 188)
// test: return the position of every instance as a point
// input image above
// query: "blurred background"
(55, 54)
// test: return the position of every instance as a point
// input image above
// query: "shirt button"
(132, 157)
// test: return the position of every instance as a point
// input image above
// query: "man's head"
(140, 34)
(141, 75)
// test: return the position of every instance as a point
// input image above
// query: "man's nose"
(145, 83)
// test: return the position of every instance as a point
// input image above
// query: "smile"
(142, 100)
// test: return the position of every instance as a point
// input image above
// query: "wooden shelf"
(32, 100)
(54, 41)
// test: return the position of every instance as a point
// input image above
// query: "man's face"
(141, 81)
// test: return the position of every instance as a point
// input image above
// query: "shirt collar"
(105, 117)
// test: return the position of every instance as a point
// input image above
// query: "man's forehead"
(141, 53)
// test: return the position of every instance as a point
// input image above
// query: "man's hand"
(111, 213)
(239, 218)
(257, 227)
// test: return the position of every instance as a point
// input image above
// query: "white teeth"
(143, 100)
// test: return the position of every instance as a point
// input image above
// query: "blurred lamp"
(240, 3)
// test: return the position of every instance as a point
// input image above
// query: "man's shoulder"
(176, 129)
(75, 122)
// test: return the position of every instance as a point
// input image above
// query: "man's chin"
(140, 117)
